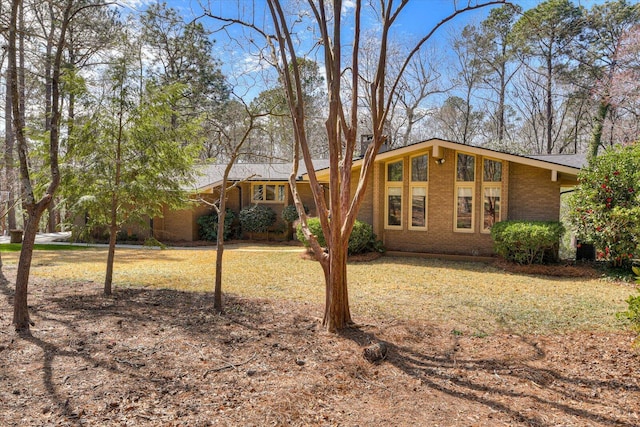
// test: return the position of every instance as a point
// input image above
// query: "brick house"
(442, 197)
(431, 197)
(261, 183)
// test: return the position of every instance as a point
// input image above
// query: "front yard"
(477, 298)
(469, 344)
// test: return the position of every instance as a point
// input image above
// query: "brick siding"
(527, 193)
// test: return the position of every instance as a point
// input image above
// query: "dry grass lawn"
(478, 298)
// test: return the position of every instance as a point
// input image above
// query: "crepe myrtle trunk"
(337, 314)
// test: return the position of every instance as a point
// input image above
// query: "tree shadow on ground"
(85, 324)
(159, 344)
(448, 371)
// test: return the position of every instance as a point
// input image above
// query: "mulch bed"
(585, 270)
(164, 358)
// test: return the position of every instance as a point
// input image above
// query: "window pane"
(257, 192)
(465, 168)
(465, 208)
(491, 207)
(394, 206)
(281, 193)
(419, 168)
(419, 207)
(492, 171)
(394, 171)
(271, 192)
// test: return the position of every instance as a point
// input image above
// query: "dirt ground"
(163, 358)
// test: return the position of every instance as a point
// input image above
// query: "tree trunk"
(337, 315)
(501, 98)
(21, 319)
(51, 223)
(113, 228)
(222, 206)
(111, 253)
(34, 208)
(9, 171)
(549, 107)
(596, 135)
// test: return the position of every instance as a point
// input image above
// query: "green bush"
(605, 207)
(290, 213)
(257, 219)
(633, 310)
(124, 236)
(315, 228)
(208, 226)
(527, 242)
(362, 238)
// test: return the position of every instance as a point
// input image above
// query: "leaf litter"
(161, 357)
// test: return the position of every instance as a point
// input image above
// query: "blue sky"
(417, 19)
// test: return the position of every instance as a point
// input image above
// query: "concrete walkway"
(61, 237)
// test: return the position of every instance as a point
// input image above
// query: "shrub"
(208, 226)
(257, 219)
(633, 310)
(605, 207)
(290, 213)
(124, 236)
(362, 238)
(153, 242)
(527, 242)
(315, 228)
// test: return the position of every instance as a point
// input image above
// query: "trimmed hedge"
(527, 242)
(289, 214)
(208, 226)
(257, 219)
(362, 238)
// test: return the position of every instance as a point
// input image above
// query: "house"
(435, 196)
(262, 183)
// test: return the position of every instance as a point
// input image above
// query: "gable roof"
(210, 175)
(573, 160)
(562, 163)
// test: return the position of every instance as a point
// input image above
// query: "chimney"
(365, 140)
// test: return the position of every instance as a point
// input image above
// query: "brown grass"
(477, 297)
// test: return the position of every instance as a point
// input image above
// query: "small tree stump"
(375, 352)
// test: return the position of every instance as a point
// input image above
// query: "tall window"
(491, 192)
(465, 185)
(418, 186)
(393, 201)
(274, 193)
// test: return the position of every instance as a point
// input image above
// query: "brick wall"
(532, 194)
(527, 193)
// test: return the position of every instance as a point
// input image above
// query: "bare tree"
(420, 80)
(231, 130)
(342, 63)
